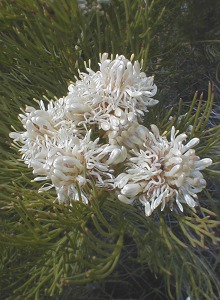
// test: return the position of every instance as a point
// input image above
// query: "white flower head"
(114, 97)
(42, 128)
(124, 79)
(75, 162)
(60, 152)
(163, 172)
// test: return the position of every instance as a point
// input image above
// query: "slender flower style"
(114, 98)
(163, 172)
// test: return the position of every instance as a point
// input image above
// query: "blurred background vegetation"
(108, 250)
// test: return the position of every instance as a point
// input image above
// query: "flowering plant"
(88, 135)
(104, 196)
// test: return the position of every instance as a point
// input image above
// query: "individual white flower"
(163, 172)
(114, 97)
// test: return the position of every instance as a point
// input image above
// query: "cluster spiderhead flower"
(63, 153)
(163, 172)
(96, 132)
(113, 98)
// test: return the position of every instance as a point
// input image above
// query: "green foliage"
(71, 252)
(83, 243)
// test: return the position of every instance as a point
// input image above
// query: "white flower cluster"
(94, 134)
(92, 5)
(163, 172)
